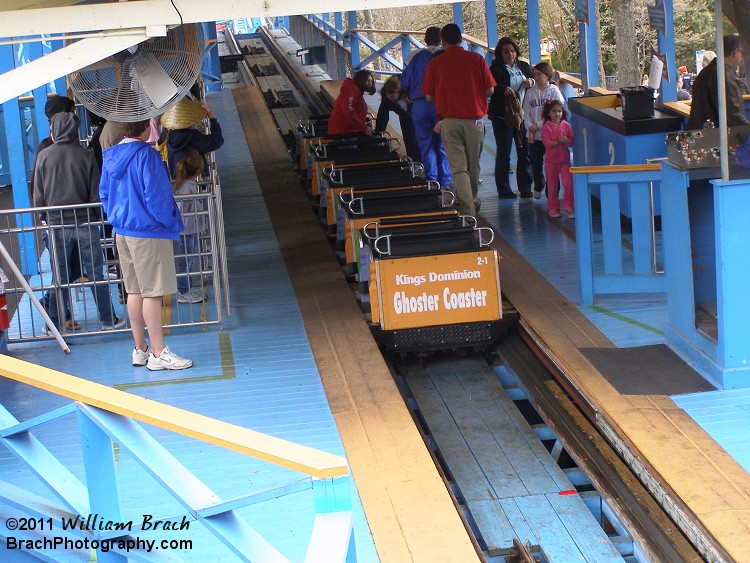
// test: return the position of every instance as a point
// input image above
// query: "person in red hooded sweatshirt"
(350, 111)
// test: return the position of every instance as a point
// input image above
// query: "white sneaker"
(192, 295)
(140, 358)
(167, 360)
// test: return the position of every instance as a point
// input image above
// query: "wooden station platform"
(408, 508)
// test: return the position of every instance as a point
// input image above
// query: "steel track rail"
(702, 540)
(298, 79)
(650, 526)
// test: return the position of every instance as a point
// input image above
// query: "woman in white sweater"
(533, 105)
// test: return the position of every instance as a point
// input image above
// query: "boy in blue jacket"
(137, 196)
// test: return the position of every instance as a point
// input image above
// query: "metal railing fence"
(69, 260)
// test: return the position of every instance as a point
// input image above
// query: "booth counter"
(603, 137)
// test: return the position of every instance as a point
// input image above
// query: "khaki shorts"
(147, 265)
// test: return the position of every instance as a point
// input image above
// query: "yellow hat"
(183, 114)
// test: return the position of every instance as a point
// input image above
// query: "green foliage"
(694, 30)
(693, 23)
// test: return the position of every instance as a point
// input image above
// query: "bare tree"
(628, 67)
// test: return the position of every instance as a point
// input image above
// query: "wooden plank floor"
(707, 484)
(404, 497)
(510, 483)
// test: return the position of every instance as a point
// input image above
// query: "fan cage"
(111, 89)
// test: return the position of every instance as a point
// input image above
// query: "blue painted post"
(589, 50)
(641, 212)
(732, 279)
(535, 35)
(211, 68)
(40, 124)
(353, 41)
(333, 505)
(326, 17)
(15, 138)
(458, 15)
(60, 85)
(666, 45)
(338, 21)
(584, 237)
(676, 231)
(681, 334)
(101, 479)
(609, 197)
(490, 17)
(405, 48)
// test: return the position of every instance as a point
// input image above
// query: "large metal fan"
(145, 80)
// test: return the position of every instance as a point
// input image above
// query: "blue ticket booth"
(604, 138)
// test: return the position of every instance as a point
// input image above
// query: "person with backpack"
(182, 137)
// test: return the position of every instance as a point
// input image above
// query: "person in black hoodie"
(182, 138)
(513, 77)
(67, 174)
(56, 104)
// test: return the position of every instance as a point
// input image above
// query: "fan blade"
(153, 79)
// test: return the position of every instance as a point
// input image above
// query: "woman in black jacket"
(511, 75)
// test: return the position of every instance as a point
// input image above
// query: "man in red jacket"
(459, 82)
(349, 111)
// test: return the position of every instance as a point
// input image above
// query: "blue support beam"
(338, 21)
(535, 36)
(211, 68)
(458, 15)
(405, 47)
(101, 479)
(379, 53)
(666, 45)
(490, 16)
(40, 125)
(60, 85)
(589, 49)
(15, 142)
(353, 41)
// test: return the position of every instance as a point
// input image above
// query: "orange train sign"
(435, 290)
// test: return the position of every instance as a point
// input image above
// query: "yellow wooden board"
(243, 440)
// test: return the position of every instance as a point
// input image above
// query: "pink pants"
(553, 173)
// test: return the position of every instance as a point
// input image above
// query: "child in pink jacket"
(557, 136)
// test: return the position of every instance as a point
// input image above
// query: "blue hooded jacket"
(136, 192)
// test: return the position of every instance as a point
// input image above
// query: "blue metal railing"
(108, 425)
(609, 270)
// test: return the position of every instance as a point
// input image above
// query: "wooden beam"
(243, 440)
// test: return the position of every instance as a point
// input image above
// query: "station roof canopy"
(37, 17)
